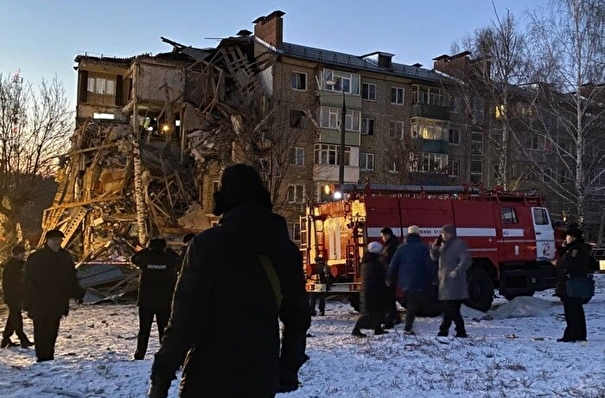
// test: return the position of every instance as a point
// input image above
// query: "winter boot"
(7, 342)
(25, 343)
(379, 331)
(357, 332)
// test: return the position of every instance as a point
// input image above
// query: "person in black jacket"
(373, 291)
(50, 281)
(159, 267)
(573, 264)
(13, 297)
(239, 279)
(322, 270)
(391, 243)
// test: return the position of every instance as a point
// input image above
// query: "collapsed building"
(152, 135)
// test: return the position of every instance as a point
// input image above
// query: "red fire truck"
(509, 234)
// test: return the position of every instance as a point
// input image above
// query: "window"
(478, 110)
(296, 194)
(565, 176)
(330, 118)
(326, 154)
(541, 217)
(297, 156)
(429, 129)
(298, 81)
(368, 91)
(509, 215)
(453, 168)
(454, 137)
(367, 126)
(476, 143)
(216, 186)
(433, 162)
(547, 175)
(341, 81)
(535, 142)
(396, 129)
(297, 118)
(428, 95)
(476, 171)
(397, 95)
(101, 89)
(393, 164)
(295, 231)
(366, 161)
(456, 104)
(598, 176)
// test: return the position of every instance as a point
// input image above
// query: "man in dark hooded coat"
(238, 279)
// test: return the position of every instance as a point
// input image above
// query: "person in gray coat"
(454, 259)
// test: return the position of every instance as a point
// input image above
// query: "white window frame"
(295, 81)
(432, 162)
(329, 118)
(366, 161)
(370, 97)
(297, 156)
(393, 129)
(455, 140)
(296, 193)
(328, 155)
(367, 122)
(399, 93)
(349, 83)
(453, 168)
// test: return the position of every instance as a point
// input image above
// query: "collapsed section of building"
(152, 135)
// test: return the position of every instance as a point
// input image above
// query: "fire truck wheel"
(480, 290)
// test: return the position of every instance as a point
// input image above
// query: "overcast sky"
(42, 38)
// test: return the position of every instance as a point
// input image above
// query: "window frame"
(297, 154)
(296, 75)
(370, 131)
(369, 96)
(366, 156)
(295, 194)
(395, 90)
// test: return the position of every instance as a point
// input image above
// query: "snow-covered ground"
(512, 357)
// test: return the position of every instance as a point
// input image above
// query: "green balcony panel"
(430, 111)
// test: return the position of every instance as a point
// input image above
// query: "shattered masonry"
(149, 169)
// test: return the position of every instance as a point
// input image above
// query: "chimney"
(270, 29)
(455, 65)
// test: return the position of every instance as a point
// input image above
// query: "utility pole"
(343, 116)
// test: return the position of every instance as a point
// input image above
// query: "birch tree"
(566, 111)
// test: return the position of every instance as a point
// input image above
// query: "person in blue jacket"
(414, 272)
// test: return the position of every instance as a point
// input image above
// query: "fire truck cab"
(509, 234)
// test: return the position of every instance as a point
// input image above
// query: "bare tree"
(500, 53)
(34, 125)
(565, 109)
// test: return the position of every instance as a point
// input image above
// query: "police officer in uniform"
(573, 264)
(159, 267)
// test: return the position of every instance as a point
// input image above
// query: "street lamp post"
(341, 169)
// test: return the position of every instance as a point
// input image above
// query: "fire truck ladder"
(304, 238)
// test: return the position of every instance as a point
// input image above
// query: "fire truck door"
(545, 234)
